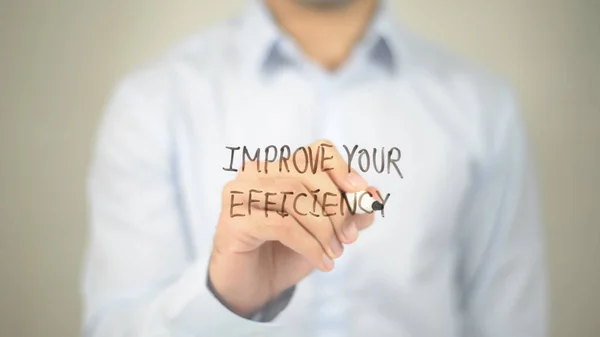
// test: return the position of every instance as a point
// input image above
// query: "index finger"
(346, 178)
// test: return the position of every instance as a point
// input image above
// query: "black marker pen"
(365, 203)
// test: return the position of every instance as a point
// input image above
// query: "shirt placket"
(331, 307)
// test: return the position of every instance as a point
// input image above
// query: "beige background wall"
(59, 58)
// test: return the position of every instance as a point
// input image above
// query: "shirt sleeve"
(503, 275)
(143, 277)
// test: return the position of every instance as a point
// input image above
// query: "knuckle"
(276, 225)
(295, 186)
(268, 183)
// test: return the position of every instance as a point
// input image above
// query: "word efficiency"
(356, 203)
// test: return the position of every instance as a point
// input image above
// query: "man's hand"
(258, 256)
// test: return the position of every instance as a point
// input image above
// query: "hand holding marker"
(268, 254)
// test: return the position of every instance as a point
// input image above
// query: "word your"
(328, 208)
(308, 159)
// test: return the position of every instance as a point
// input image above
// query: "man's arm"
(502, 275)
(142, 275)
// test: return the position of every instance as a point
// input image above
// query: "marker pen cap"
(365, 203)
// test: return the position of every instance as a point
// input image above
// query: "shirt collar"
(260, 39)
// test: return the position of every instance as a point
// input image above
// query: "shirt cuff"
(270, 310)
(190, 308)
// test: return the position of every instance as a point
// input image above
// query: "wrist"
(232, 297)
(256, 308)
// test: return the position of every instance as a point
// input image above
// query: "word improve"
(307, 160)
(327, 208)
(303, 158)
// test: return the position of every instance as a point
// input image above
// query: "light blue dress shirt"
(458, 253)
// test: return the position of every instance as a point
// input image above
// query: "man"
(177, 250)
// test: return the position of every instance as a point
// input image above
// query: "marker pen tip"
(377, 206)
